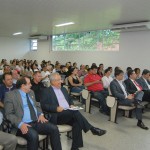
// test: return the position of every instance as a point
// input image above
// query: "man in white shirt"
(45, 76)
(106, 79)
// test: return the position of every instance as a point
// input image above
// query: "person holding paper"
(56, 101)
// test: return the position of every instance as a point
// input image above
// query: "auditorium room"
(74, 75)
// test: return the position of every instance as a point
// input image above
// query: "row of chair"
(112, 103)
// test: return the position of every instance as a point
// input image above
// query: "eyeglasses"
(58, 80)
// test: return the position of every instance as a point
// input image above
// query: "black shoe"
(141, 125)
(97, 131)
(74, 149)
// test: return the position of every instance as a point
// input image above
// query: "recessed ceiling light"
(64, 24)
(17, 33)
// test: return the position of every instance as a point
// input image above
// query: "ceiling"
(41, 16)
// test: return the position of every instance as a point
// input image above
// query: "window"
(100, 40)
(33, 44)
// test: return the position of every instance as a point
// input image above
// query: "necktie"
(32, 111)
(137, 85)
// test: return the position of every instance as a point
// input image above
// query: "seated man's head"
(107, 72)
(7, 79)
(55, 80)
(146, 74)
(24, 84)
(37, 77)
(15, 74)
(119, 74)
(137, 71)
(63, 68)
(131, 74)
(94, 69)
(7, 69)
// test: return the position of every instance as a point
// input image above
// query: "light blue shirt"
(26, 117)
(61, 98)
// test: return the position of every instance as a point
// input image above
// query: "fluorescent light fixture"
(64, 24)
(17, 33)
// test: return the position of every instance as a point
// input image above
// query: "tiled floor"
(122, 136)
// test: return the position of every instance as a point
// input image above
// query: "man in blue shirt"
(26, 115)
(6, 87)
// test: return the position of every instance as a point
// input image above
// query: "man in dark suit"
(143, 82)
(57, 102)
(133, 87)
(26, 116)
(118, 90)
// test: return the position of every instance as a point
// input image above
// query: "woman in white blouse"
(106, 79)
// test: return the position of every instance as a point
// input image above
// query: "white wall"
(11, 48)
(134, 52)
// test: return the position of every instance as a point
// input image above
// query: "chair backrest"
(1, 147)
(109, 91)
(110, 101)
(66, 81)
(85, 93)
(67, 88)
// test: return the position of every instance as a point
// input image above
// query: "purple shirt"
(61, 98)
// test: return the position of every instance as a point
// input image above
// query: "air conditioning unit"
(39, 37)
(129, 27)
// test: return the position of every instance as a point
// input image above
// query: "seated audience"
(137, 71)
(57, 102)
(82, 71)
(20, 67)
(63, 73)
(15, 76)
(126, 74)
(118, 90)
(13, 65)
(45, 76)
(106, 79)
(37, 85)
(86, 68)
(6, 87)
(22, 110)
(94, 84)
(143, 81)
(132, 86)
(100, 70)
(74, 81)
(34, 67)
(74, 65)
(8, 141)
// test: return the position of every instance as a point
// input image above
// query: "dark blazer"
(131, 88)
(14, 107)
(49, 102)
(116, 90)
(142, 83)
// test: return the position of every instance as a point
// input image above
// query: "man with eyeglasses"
(56, 101)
